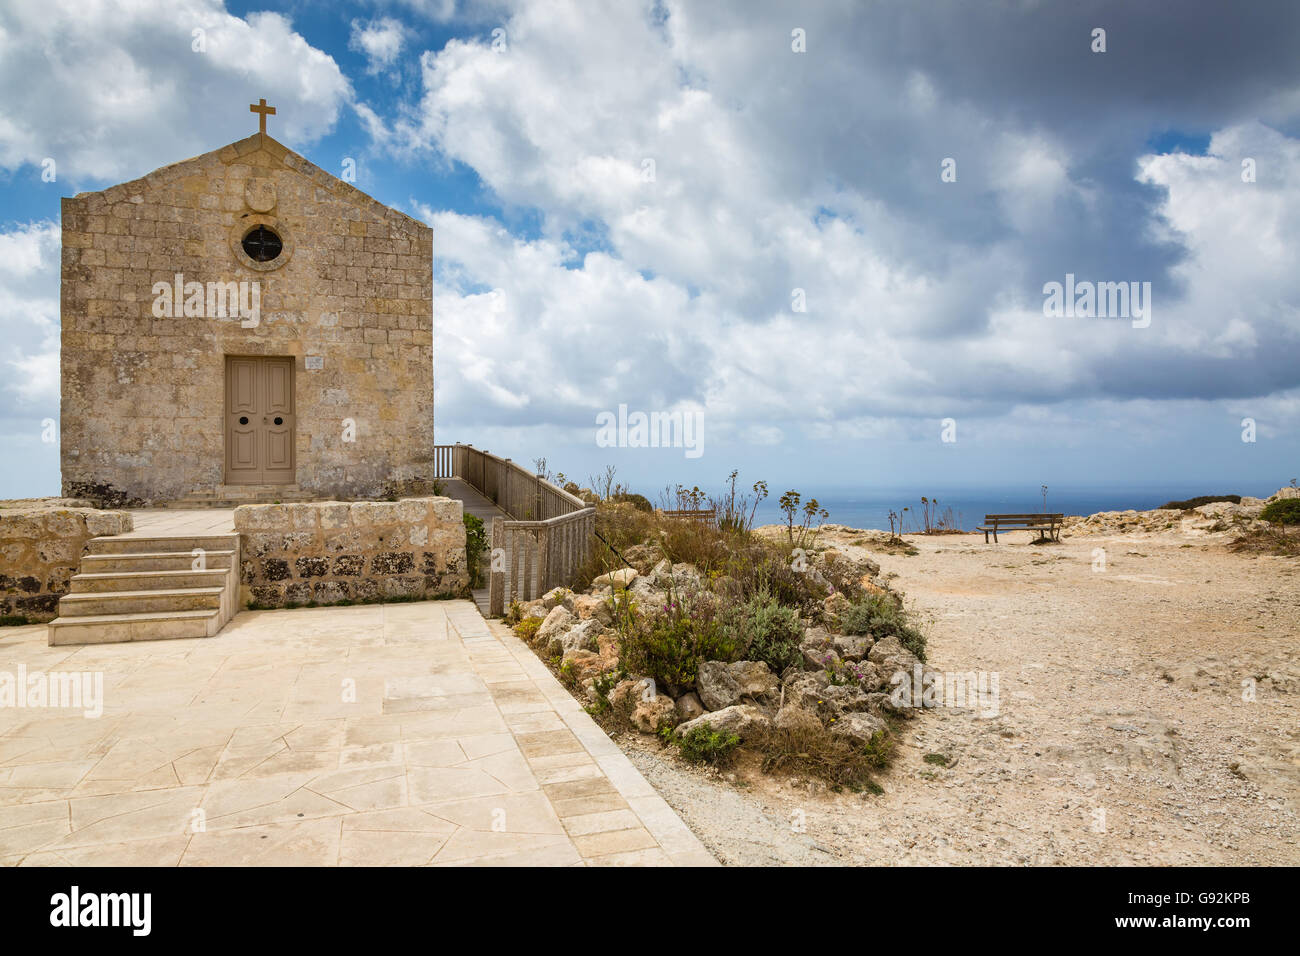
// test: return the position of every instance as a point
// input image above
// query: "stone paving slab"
(401, 734)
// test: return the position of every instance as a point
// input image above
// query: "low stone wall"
(40, 548)
(331, 551)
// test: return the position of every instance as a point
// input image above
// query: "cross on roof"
(262, 111)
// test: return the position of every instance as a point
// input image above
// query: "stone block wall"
(332, 551)
(40, 549)
(350, 300)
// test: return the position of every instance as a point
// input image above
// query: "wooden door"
(259, 420)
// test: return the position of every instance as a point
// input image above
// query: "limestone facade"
(347, 300)
(329, 551)
(40, 548)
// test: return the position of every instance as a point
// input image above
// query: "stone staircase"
(232, 496)
(147, 589)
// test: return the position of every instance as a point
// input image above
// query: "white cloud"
(908, 316)
(29, 316)
(131, 92)
(381, 41)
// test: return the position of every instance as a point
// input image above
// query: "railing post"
(543, 561)
(497, 579)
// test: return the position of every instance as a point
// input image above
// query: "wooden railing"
(547, 536)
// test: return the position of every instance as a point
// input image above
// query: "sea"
(870, 508)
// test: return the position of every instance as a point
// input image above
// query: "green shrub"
(527, 629)
(880, 616)
(475, 546)
(639, 502)
(704, 745)
(668, 643)
(1282, 511)
(765, 630)
(13, 620)
(1191, 503)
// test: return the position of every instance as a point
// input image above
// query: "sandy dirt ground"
(1125, 732)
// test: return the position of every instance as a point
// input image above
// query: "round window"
(262, 245)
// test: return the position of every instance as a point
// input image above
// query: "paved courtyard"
(399, 734)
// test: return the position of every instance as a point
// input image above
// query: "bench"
(703, 515)
(1049, 524)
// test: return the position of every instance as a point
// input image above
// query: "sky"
(822, 231)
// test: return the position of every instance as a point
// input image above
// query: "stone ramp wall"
(329, 552)
(40, 549)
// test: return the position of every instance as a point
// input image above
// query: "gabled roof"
(233, 153)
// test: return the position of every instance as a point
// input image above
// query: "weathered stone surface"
(618, 579)
(650, 715)
(40, 549)
(835, 605)
(360, 550)
(689, 706)
(590, 606)
(852, 647)
(584, 664)
(720, 684)
(817, 649)
(143, 409)
(627, 692)
(573, 636)
(553, 628)
(529, 609)
(890, 656)
(560, 596)
(794, 717)
(858, 727)
(739, 719)
(806, 689)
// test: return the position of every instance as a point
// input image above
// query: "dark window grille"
(262, 245)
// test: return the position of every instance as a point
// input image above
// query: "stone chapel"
(244, 325)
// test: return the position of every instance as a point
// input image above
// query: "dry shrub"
(621, 526)
(1275, 539)
(819, 753)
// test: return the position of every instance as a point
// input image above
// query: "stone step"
(117, 628)
(101, 603)
(153, 561)
(126, 544)
(148, 580)
(226, 504)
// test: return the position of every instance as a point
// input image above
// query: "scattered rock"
(585, 664)
(582, 636)
(720, 684)
(689, 706)
(815, 647)
(650, 715)
(891, 656)
(794, 717)
(559, 620)
(590, 606)
(555, 597)
(740, 719)
(643, 557)
(852, 647)
(858, 728)
(806, 689)
(618, 579)
(835, 605)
